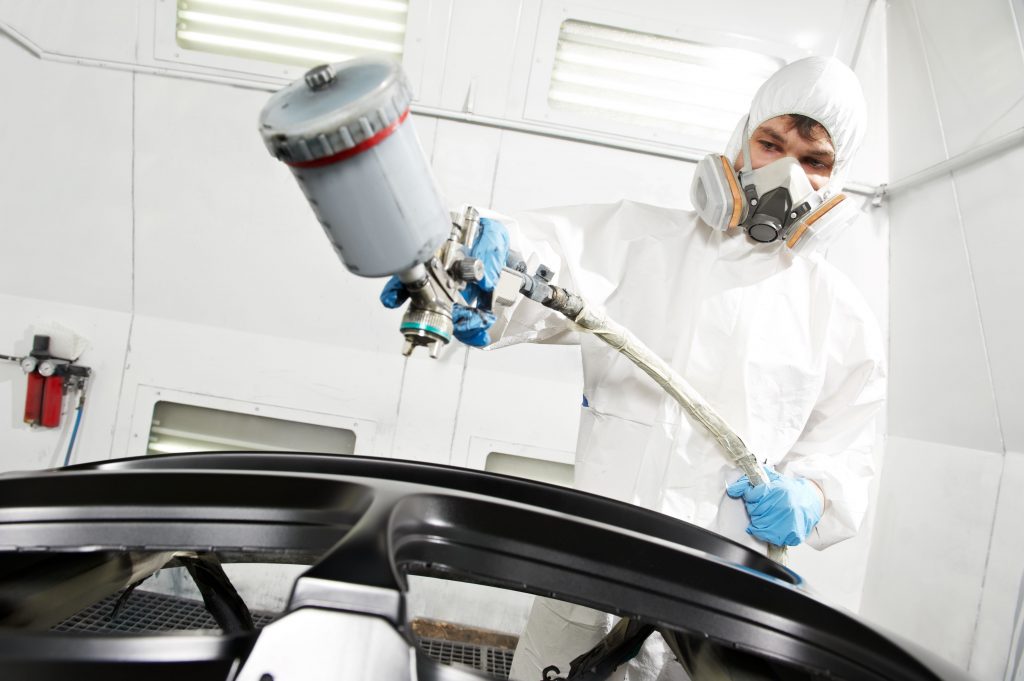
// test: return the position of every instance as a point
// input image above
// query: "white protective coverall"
(783, 346)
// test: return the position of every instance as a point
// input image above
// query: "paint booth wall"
(142, 212)
(947, 562)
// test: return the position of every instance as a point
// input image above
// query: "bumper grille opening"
(149, 612)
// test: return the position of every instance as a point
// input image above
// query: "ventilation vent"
(146, 611)
(551, 472)
(182, 428)
(495, 662)
(294, 32)
(648, 80)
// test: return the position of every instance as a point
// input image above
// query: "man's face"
(778, 138)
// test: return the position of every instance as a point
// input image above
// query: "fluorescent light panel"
(655, 81)
(294, 32)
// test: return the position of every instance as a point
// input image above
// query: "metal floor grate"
(493, 661)
(147, 611)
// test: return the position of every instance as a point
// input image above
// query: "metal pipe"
(270, 84)
(664, 151)
(980, 153)
(556, 133)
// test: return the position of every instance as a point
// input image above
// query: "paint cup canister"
(344, 131)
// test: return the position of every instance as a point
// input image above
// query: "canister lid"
(335, 111)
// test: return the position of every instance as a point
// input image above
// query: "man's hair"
(808, 128)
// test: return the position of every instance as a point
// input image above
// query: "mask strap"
(746, 145)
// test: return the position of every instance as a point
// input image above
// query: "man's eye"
(816, 164)
(767, 146)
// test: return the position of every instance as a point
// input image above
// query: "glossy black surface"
(368, 522)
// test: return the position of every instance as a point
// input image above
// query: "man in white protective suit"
(746, 309)
(738, 298)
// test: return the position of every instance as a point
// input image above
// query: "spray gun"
(434, 286)
(344, 131)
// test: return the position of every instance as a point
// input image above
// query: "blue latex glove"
(394, 294)
(471, 322)
(491, 249)
(782, 512)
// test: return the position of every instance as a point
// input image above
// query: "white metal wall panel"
(464, 159)
(97, 29)
(994, 242)
(930, 543)
(861, 253)
(426, 131)
(535, 172)
(481, 49)
(522, 395)
(325, 383)
(914, 129)
(1004, 578)
(522, 58)
(431, 391)
(427, 37)
(939, 386)
(974, 55)
(872, 162)
(224, 236)
(65, 183)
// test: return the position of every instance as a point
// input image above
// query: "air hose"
(597, 322)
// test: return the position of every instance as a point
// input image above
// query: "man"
(739, 300)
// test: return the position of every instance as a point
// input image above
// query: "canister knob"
(319, 77)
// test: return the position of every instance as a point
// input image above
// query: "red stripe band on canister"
(368, 143)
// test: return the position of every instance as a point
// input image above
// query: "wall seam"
(988, 368)
(458, 404)
(864, 24)
(931, 79)
(1002, 469)
(131, 305)
(497, 164)
(978, 313)
(1002, 472)
(1016, 27)
(962, 226)
(398, 406)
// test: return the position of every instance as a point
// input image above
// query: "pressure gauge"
(47, 367)
(28, 364)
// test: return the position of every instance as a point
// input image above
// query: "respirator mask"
(775, 202)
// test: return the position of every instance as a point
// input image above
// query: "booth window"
(648, 80)
(293, 32)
